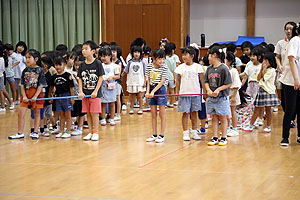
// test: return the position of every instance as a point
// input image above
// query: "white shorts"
(135, 89)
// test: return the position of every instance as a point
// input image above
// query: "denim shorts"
(63, 105)
(1, 83)
(217, 105)
(161, 101)
(188, 104)
(41, 113)
(10, 79)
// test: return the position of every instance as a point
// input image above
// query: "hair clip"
(221, 50)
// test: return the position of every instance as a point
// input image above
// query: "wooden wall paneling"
(251, 17)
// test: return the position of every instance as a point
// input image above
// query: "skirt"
(265, 99)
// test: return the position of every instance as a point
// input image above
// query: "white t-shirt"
(189, 78)
(280, 49)
(2, 66)
(252, 71)
(293, 49)
(21, 66)
(135, 71)
(111, 70)
(236, 81)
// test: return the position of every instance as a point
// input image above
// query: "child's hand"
(209, 93)
(151, 94)
(81, 95)
(94, 95)
(147, 95)
(109, 79)
(232, 101)
(72, 101)
(50, 101)
(296, 84)
(215, 93)
(25, 99)
(33, 99)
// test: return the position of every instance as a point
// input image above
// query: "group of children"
(92, 76)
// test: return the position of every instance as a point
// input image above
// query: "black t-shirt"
(48, 80)
(33, 77)
(89, 74)
(216, 77)
(245, 59)
(62, 83)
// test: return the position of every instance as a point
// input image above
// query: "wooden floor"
(123, 166)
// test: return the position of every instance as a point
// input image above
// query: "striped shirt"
(156, 74)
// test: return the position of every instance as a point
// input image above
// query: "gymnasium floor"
(123, 166)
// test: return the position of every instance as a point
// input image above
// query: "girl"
(70, 61)
(234, 97)
(32, 82)
(188, 83)
(136, 80)
(116, 54)
(217, 83)
(291, 85)
(21, 49)
(266, 96)
(112, 73)
(63, 83)
(157, 76)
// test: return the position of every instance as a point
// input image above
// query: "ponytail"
(219, 51)
(35, 54)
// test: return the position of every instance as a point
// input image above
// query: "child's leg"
(172, 91)
(80, 121)
(17, 81)
(154, 118)
(103, 110)
(224, 125)
(21, 120)
(162, 115)
(203, 121)
(7, 96)
(118, 104)
(185, 118)
(68, 119)
(257, 111)
(140, 99)
(112, 109)
(13, 90)
(215, 124)
(37, 119)
(194, 120)
(132, 99)
(95, 122)
(90, 122)
(2, 99)
(233, 116)
(269, 115)
(62, 120)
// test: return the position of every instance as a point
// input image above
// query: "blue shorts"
(188, 104)
(217, 105)
(63, 105)
(41, 113)
(10, 79)
(161, 101)
(202, 112)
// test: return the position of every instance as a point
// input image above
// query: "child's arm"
(219, 89)
(25, 99)
(99, 83)
(244, 80)
(202, 82)
(161, 83)
(208, 90)
(235, 91)
(72, 94)
(278, 62)
(80, 94)
(262, 72)
(178, 83)
(148, 88)
(38, 91)
(15, 64)
(50, 94)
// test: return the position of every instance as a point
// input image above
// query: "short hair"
(8, 47)
(77, 49)
(147, 49)
(173, 45)
(117, 49)
(139, 42)
(168, 49)
(205, 60)
(103, 45)
(257, 51)
(246, 44)
(80, 58)
(91, 44)
(61, 47)
(158, 53)
(231, 47)
(113, 44)
(71, 55)
(190, 50)
(23, 44)
(105, 52)
(136, 48)
(231, 58)
(47, 60)
(219, 52)
(269, 48)
(59, 61)
(271, 58)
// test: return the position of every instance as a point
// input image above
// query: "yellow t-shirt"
(268, 81)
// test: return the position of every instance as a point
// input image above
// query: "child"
(157, 80)
(188, 83)
(63, 83)
(217, 83)
(234, 97)
(70, 61)
(171, 74)
(109, 88)
(266, 96)
(174, 56)
(116, 54)
(136, 80)
(2, 70)
(147, 52)
(21, 49)
(245, 58)
(90, 74)
(32, 82)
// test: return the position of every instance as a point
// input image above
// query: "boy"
(90, 74)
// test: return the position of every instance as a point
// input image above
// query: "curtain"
(43, 24)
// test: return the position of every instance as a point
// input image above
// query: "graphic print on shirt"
(31, 80)
(135, 68)
(212, 77)
(154, 75)
(89, 79)
(107, 70)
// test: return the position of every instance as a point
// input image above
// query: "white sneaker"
(103, 122)
(260, 122)
(186, 136)
(66, 135)
(275, 109)
(76, 133)
(34, 136)
(11, 107)
(112, 122)
(117, 117)
(267, 130)
(88, 136)
(56, 130)
(140, 112)
(2, 110)
(16, 136)
(248, 128)
(176, 103)
(59, 135)
(195, 135)
(45, 134)
(151, 139)
(46, 129)
(131, 111)
(147, 109)
(124, 107)
(95, 137)
(160, 139)
(232, 133)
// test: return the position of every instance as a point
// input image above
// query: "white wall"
(225, 20)
(271, 15)
(219, 20)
